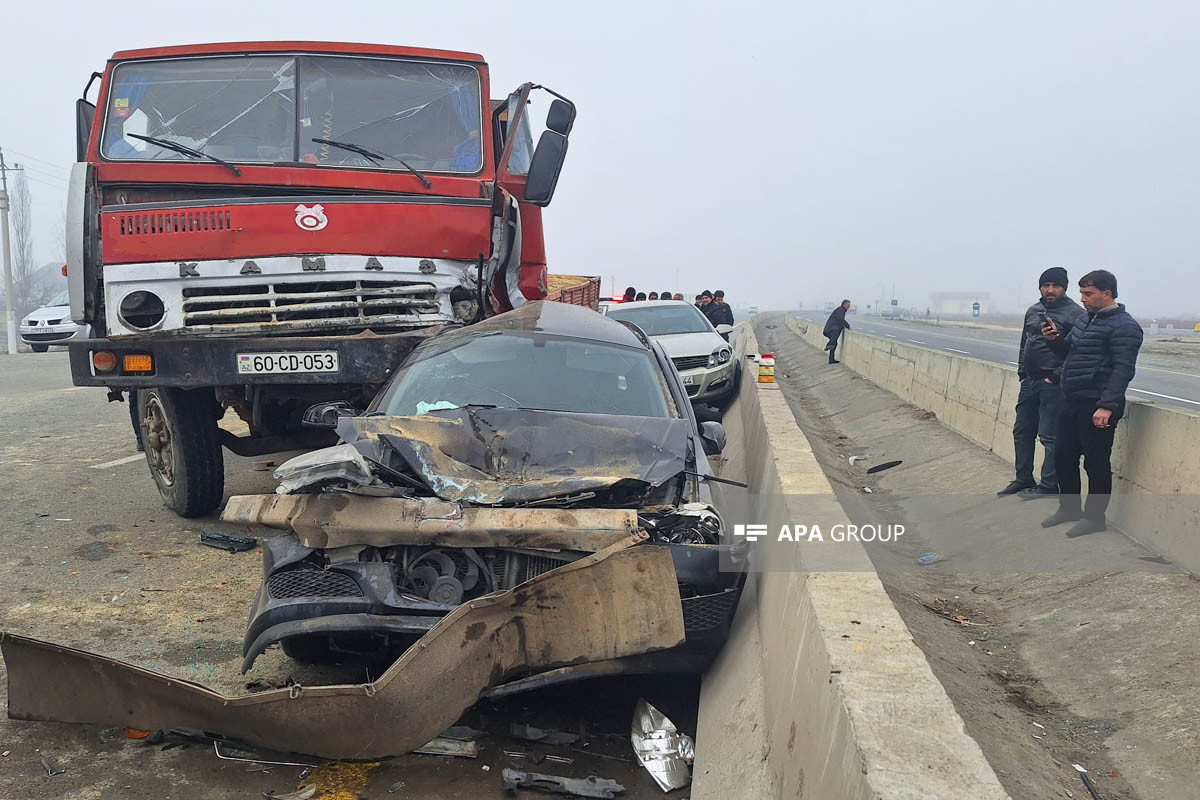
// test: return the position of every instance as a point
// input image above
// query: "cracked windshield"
(371, 113)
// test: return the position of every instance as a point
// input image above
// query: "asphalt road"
(93, 560)
(1158, 379)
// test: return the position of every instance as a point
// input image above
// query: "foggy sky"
(783, 151)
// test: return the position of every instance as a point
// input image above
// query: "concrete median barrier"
(820, 691)
(1156, 487)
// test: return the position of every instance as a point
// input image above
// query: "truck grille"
(351, 304)
(311, 583)
(690, 362)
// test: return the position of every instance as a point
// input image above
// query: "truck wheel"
(39, 348)
(179, 432)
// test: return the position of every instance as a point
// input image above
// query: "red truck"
(266, 225)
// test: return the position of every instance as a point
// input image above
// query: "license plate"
(286, 363)
(688, 380)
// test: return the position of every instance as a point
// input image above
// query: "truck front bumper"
(189, 362)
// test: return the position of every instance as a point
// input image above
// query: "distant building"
(951, 303)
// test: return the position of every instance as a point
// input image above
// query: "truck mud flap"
(618, 602)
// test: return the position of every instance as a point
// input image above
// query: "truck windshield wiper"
(374, 157)
(187, 151)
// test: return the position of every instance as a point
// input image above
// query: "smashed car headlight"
(720, 356)
(691, 523)
(340, 463)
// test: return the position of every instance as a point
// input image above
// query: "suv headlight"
(720, 356)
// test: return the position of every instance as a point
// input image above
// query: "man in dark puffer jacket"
(1040, 399)
(1100, 360)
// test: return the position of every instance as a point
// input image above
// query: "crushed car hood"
(502, 456)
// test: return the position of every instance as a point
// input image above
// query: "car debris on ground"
(591, 786)
(223, 541)
(531, 734)
(661, 748)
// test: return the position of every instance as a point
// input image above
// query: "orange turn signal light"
(104, 360)
(137, 362)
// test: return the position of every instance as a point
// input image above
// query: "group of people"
(1075, 363)
(711, 304)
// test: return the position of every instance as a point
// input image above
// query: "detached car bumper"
(608, 605)
(355, 598)
(366, 358)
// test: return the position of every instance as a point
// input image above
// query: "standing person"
(1100, 359)
(653, 296)
(834, 327)
(640, 296)
(718, 311)
(703, 300)
(1040, 398)
(630, 294)
(678, 296)
(664, 296)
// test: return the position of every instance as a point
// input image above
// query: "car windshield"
(269, 109)
(63, 298)
(527, 370)
(665, 319)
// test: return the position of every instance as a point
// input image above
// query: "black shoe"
(1014, 487)
(834, 361)
(1037, 491)
(1061, 516)
(141, 448)
(1086, 526)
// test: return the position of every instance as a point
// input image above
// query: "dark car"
(542, 438)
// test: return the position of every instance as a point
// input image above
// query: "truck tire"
(179, 432)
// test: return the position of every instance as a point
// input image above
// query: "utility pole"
(9, 297)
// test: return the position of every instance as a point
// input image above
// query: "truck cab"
(262, 226)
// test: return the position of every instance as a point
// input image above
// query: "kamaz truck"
(262, 226)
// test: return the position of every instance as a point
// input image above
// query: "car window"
(664, 320)
(63, 298)
(526, 370)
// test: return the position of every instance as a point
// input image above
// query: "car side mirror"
(712, 436)
(327, 415)
(724, 331)
(85, 112)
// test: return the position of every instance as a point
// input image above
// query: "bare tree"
(29, 292)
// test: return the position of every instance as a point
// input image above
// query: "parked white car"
(699, 351)
(51, 325)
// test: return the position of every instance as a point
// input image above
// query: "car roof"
(557, 319)
(616, 306)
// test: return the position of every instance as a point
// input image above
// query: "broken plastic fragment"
(340, 462)
(437, 405)
(661, 748)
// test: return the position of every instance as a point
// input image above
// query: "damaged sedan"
(528, 501)
(496, 453)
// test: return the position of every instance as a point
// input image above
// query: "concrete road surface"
(1165, 379)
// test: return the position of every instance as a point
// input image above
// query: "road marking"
(1167, 396)
(952, 350)
(890, 336)
(916, 341)
(118, 462)
(1015, 364)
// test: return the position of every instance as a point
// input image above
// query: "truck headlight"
(141, 310)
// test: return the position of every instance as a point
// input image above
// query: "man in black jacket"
(834, 327)
(718, 311)
(1040, 398)
(1101, 356)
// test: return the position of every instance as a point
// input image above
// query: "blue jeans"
(1038, 407)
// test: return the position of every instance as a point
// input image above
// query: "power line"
(44, 172)
(45, 183)
(42, 160)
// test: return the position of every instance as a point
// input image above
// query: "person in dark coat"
(1040, 398)
(718, 311)
(834, 327)
(1100, 359)
(630, 295)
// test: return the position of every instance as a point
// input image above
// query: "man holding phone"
(1040, 398)
(1100, 358)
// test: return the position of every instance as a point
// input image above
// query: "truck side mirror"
(326, 415)
(547, 163)
(85, 112)
(712, 436)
